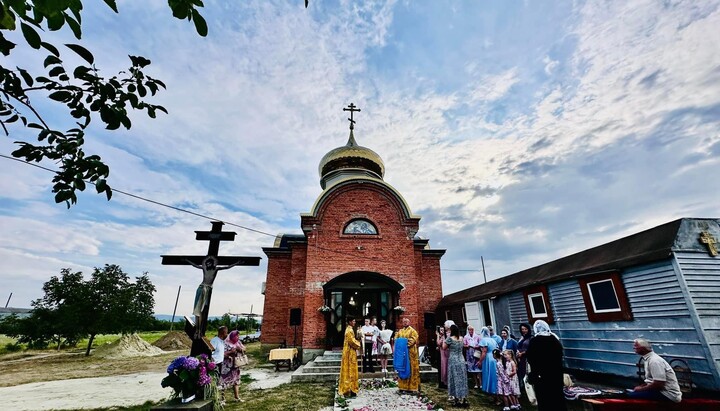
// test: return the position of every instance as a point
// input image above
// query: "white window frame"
(464, 315)
(447, 315)
(592, 297)
(532, 306)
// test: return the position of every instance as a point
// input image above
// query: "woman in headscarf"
(522, 346)
(506, 342)
(487, 361)
(545, 356)
(471, 342)
(230, 371)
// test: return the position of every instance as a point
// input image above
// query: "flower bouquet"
(187, 375)
(324, 309)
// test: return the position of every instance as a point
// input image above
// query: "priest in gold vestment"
(348, 384)
(413, 383)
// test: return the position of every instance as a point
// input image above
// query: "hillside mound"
(173, 341)
(127, 346)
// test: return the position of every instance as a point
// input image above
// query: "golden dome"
(351, 156)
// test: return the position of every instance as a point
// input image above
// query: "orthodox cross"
(351, 108)
(710, 242)
(210, 264)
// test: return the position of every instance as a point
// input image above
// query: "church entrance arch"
(359, 294)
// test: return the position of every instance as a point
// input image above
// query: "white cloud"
(521, 164)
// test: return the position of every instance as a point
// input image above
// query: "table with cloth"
(284, 357)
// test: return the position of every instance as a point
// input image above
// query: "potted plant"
(324, 309)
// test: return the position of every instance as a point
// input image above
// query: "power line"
(380, 260)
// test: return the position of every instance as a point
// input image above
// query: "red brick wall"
(297, 281)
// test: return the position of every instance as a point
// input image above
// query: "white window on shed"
(536, 302)
(603, 296)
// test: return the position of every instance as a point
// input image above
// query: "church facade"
(357, 257)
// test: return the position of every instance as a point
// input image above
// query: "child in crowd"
(511, 369)
(508, 386)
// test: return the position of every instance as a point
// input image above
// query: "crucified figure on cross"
(210, 269)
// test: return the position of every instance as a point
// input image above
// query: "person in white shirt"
(368, 332)
(660, 380)
(218, 343)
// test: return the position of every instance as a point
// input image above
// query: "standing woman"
(441, 335)
(471, 341)
(230, 370)
(525, 336)
(545, 356)
(348, 383)
(457, 372)
(487, 361)
(506, 342)
(383, 341)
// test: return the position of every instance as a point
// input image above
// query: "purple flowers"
(187, 373)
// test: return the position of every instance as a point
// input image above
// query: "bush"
(13, 347)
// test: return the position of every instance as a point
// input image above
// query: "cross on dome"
(351, 108)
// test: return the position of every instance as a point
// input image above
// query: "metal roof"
(644, 247)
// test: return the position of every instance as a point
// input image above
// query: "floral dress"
(229, 372)
(457, 371)
(507, 385)
(472, 342)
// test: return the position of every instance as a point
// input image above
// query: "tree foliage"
(73, 308)
(82, 90)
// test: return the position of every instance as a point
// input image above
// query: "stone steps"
(326, 368)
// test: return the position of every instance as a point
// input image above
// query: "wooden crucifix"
(210, 264)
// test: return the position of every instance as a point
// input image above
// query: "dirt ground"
(52, 366)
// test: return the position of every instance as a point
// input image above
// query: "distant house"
(662, 284)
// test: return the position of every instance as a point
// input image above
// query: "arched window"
(360, 226)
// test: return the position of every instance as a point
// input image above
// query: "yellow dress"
(349, 367)
(412, 383)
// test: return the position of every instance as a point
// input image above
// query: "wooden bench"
(630, 404)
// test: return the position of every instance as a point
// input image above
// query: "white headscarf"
(543, 329)
(484, 332)
(449, 323)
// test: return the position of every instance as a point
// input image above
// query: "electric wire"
(115, 190)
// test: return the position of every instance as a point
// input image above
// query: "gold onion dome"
(350, 157)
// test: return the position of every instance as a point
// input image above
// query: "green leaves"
(86, 95)
(187, 9)
(31, 36)
(73, 307)
(200, 24)
(82, 52)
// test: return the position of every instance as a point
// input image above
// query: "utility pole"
(483, 267)
(172, 322)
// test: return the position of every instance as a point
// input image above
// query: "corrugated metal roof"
(644, 247)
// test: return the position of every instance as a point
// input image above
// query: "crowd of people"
(498, 365)
(501, 366)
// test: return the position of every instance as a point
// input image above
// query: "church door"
(359, 296)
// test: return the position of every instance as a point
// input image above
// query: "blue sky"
(519, 131)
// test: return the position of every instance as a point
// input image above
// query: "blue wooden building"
(662, 284)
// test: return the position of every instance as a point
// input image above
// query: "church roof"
(350, 156)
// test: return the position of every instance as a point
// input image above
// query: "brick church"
(357, 257)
